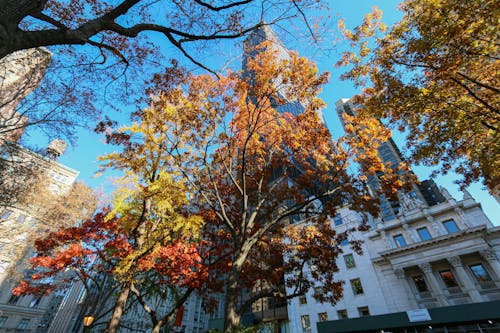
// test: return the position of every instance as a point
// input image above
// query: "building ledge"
(431, 242)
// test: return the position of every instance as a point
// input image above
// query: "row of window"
(305, 320)
(424, 234)
(14, 299)
(449, 280)
(21, 325)
(357, 289)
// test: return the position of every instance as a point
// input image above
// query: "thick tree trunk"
(232, 317)
(114, 321)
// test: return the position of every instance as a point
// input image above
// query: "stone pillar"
(388, 243)
(461, 217)
(400, 274)
(438, 229)
(490, 256)
(436, 289)
(468, 284)
(410, 233)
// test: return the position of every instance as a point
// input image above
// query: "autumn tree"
(90, 255)
(434, 74)
(103, 51)
(255, 171)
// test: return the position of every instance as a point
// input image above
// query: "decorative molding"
(488, 254)
(400, 273)
(455, 261)
(426, 267)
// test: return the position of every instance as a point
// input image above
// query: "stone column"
(387, 242)
(410, 233)
(436, 289)
(490, 256)
(438, 229)
(468, 284)
(400, 274)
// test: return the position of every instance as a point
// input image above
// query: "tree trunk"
(114, 321)
(231, 316)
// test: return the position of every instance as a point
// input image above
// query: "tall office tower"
(425, 193)
(266, 34)
(20, 73)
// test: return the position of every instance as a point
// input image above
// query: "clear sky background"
(83, 155)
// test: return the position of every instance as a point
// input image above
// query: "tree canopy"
(434, 74)
(253, 170)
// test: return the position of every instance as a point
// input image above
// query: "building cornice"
(385, 256)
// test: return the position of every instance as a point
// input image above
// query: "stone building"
(27, 313)
(20, 73)
(427, 251)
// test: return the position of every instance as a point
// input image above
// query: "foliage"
(103, 51)
(434, 74)
(252, 170)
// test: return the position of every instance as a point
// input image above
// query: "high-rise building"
(20, 73)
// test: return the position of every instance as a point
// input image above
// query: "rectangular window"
(344, 242)
(6, 214)
(399, 240)
(13, 299)
(338, 219)
(342, 314)
(424, 234)
(23, 324)
(3, 321)
(349, 261)
(21, 218)
(420, 284)
(318, 290)
(35, 302)
(450, 226)
(448, 279)
(363, 311)
(480, 273)
(302, 300)
(323, 316)
(306, 323)
(357, 288)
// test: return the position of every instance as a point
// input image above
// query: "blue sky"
(83, 156)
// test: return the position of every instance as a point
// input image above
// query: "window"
(302, 300)
(344, 242)
(21, 218)
(357, 288)
(322, 316)
(23, 324)
(13, 299)
(450, 226)
(349, 261)
(3, 321)
(306, 323)
(318, 290)
(363, 311)
(6, 214)
(337, 219)
(420, 283)
(448, 279)
(342, 314)
(480, 273)
(399, 240)
(424, 234)
(35, 302)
